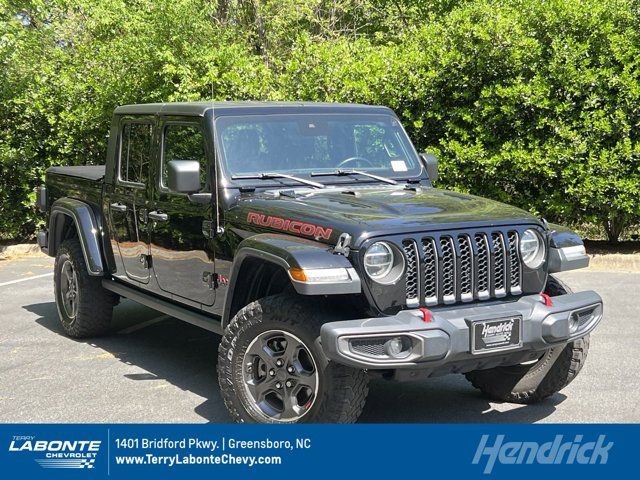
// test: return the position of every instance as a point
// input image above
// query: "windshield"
(302, 144)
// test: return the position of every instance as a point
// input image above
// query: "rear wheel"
(84, 306)
(532, 382)
(271, 367)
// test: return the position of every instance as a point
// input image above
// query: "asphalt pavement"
(154, 368)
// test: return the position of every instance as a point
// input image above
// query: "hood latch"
(343, 245)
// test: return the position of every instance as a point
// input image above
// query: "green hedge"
(532, 102)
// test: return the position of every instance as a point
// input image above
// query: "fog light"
(397, 347)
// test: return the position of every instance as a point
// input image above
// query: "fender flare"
(87, 227)
(290, 252)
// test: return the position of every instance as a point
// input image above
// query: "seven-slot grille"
(461, 267)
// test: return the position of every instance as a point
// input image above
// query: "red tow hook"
(426, 314)
(546, 299)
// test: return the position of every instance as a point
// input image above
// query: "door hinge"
(209, 229)
(143, 216)
(146, 260)
(210, 279)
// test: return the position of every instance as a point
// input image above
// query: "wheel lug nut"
(279, 363)
(290, 369)
(272, 372)
(288, 383)
(278, 385)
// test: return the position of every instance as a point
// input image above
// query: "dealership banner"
(316, 451)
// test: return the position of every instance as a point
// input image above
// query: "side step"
(210, 323)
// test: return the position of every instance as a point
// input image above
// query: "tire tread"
(563, 370)
(96, 303)
(343, 400)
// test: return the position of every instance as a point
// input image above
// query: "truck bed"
(83, 183)
(90, 172)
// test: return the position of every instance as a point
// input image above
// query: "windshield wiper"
(342, 173)
(269, 176)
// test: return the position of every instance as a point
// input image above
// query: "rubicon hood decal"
(288, 225)
(367, 212)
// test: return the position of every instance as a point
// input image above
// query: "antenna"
(219, 229)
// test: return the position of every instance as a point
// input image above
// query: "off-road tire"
(94, 303)
(342, 390)
(532, 383)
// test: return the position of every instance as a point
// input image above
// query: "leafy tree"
(532, 102)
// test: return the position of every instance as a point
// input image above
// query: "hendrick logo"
(58, 453)
(500, 332)
(555, 452)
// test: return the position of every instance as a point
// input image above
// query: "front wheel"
(532, 382)
(271, 368)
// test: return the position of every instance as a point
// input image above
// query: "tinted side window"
(135, 152)
(184, 142)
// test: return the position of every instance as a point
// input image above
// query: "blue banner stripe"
(316, 451)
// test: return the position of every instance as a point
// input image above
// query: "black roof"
(247, 107)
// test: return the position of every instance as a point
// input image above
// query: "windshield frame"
(351, 180)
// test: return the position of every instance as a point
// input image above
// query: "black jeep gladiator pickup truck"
(311, 238)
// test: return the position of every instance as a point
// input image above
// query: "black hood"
(367, 212)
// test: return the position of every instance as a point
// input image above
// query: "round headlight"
(382, 263)
(378, 261)
(532, 248)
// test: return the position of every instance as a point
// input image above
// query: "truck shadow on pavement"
(186, 356)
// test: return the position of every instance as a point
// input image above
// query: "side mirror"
(430, 162)
(184, 176)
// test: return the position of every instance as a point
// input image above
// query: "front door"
(183, 258)
(127, 201)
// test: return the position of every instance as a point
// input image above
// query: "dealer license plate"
(494, 335)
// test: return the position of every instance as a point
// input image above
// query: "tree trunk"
(614, 225)
(254, 23)
(222, 12)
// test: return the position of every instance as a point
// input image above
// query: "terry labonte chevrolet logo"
(57, 453)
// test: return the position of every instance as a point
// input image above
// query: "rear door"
(183, 258)
(128, 197)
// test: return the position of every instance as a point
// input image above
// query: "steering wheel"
(356, 159)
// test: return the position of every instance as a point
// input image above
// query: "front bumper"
(443, 345)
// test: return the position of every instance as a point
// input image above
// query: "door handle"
(118, 207)
(157, 216)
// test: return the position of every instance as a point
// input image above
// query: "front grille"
(466, 267)
(411, 255)
(430, 270)
(448, 261)
(514, 264)
(462, 267)
(499, 259)
(483, 260)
